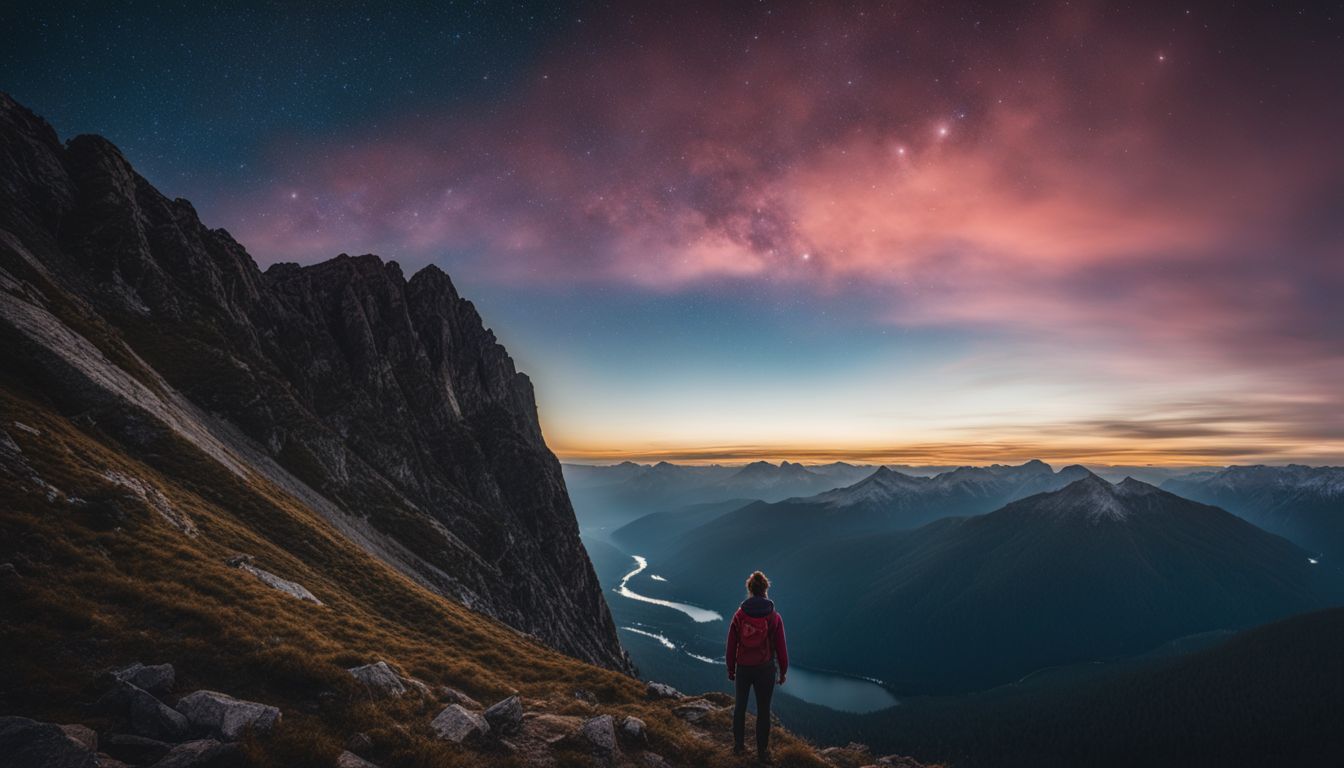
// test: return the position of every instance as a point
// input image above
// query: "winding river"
(698, 615)
(834, 691)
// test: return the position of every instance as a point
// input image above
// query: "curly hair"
(757, 584)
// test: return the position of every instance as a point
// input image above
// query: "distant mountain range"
(885, 500)
(1089, 571)
(608, 497)
(1302, 504)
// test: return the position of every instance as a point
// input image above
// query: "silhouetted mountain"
(1302, 504)
(1090, 571)
(651, 533)
(383, 402)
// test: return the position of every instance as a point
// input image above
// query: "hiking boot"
(739, 749)
(764, 758)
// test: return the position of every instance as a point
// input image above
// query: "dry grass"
(108, 582)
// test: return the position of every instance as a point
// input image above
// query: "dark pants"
(761, 678)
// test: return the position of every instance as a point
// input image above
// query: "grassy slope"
(109, 582)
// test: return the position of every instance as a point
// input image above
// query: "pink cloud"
(1081, 186)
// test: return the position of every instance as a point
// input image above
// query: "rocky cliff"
(382, 402)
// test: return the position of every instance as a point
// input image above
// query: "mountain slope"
(385, 398)
(268, 479)
(652, 532)
(1302, 504)
(1091, 571)
(883, 501)
(112, 554)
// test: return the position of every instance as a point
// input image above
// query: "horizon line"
(737, 456)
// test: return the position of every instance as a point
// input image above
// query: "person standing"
(755, 644)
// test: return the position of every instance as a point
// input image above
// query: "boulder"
(633, 730)
(550, 729)
(662, 691)
(27, 743)
(157, 679)
(351, 760)
(454, 696)
(379, 680)
(505, 715)
(600, 732)
(694, 710)
(144, 714)
(457, 724)
(135, 749)
(653, 760)
(226, 716)
(203, 753)
(291, 588)
(83, 735)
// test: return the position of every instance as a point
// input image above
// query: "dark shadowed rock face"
(383, 403)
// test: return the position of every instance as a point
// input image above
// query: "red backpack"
(753, 640)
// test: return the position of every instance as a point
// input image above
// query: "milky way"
(939, 232)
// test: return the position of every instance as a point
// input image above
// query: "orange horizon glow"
(973, 454)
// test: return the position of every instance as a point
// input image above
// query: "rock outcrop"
(226, 717)
(600, 733)
(291, 588)
(143, 714)
(380, 681)
(506, 715)
(458, 725)
(157, 679)
(656, 690)
(381, 402)
(27, 743)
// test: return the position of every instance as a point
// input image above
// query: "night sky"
(905, 232)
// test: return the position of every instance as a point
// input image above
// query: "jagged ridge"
(383, 402)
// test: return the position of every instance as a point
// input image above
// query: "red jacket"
(757, 607)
